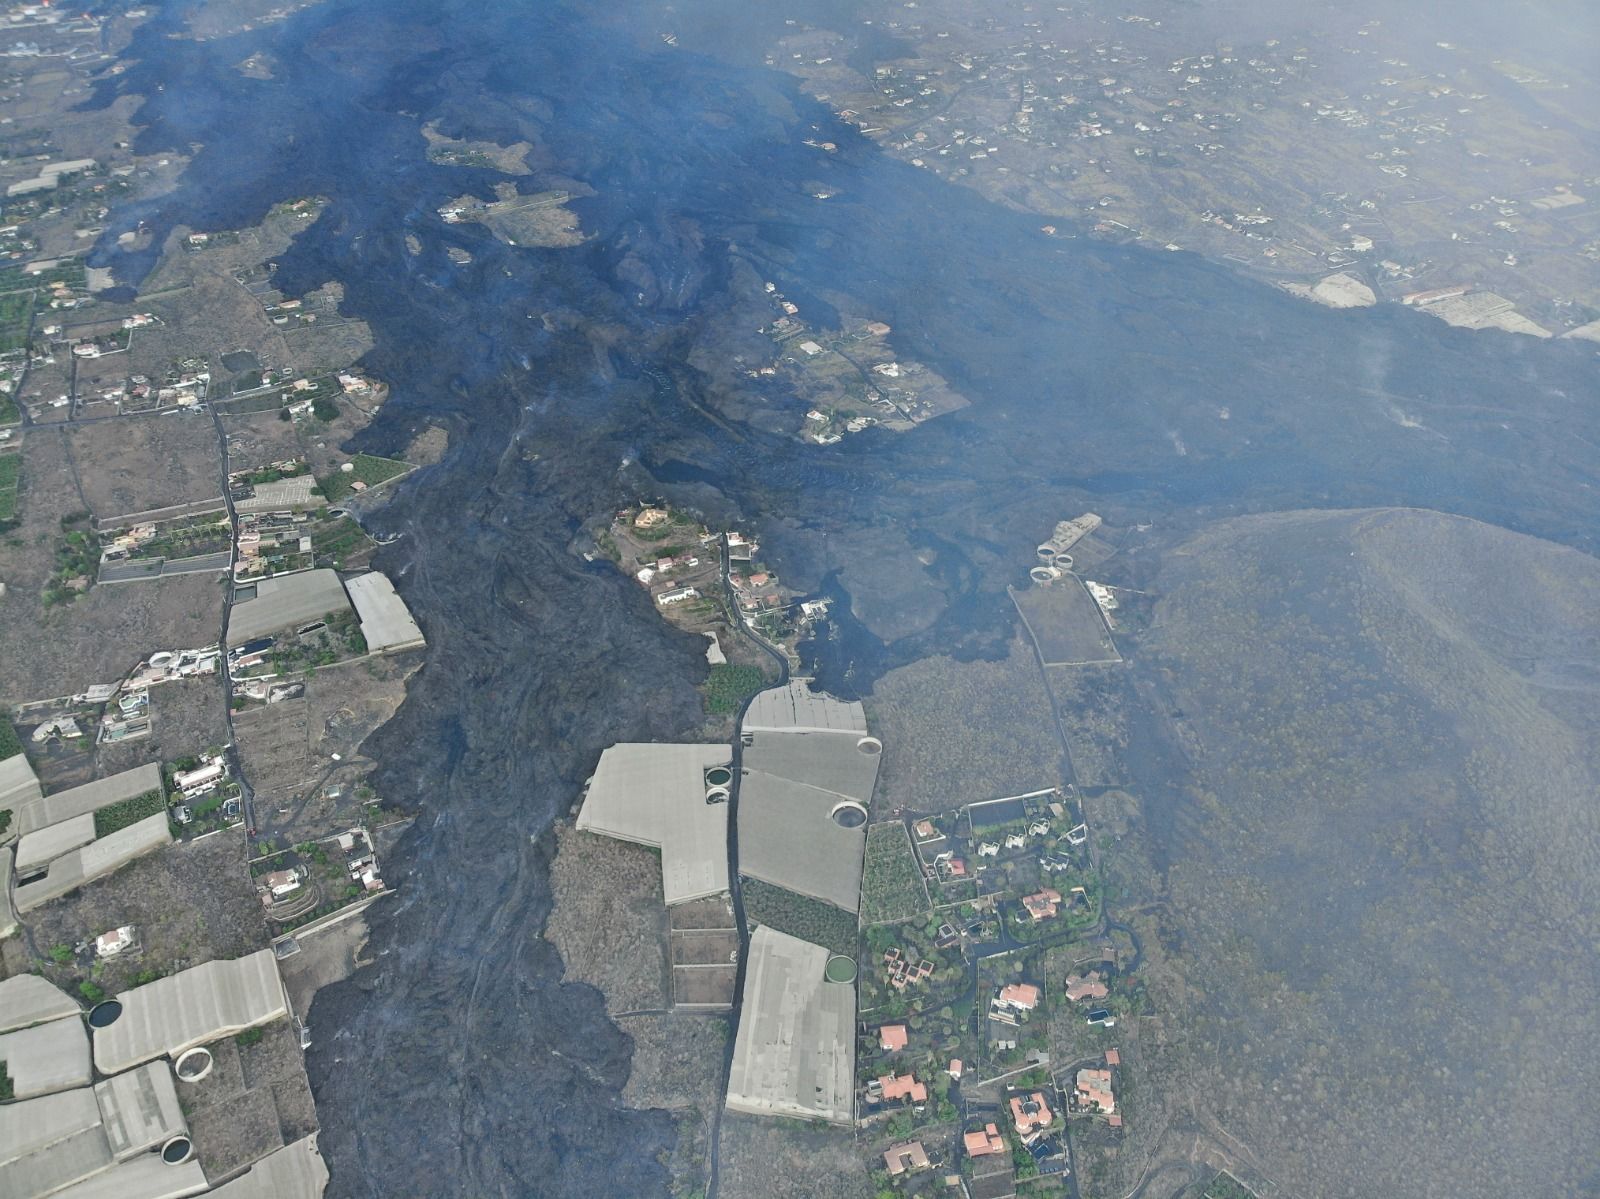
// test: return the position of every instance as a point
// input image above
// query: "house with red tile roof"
(903, 1086)
(1029, 1112)
(981, 1143)
(1113, 1058)
(892, 1037)
(902, 1158)
(955, 1069)
(1081, 987)
(1093, 1091)
(1042, 905)
(1024, 997)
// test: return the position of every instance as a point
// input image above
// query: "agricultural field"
(730, 685)
(1226, 1186)
(10, 479)
(891, 883)
(16, 313)
(130, 811)
(369, 470)
(799, 916)
(1065, 623)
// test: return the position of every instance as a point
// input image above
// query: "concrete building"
(27, 999)
(44, 810)
(386, 622)
(8, 914)
(18, 784)
(809, 769)
(201, 777)
(283, 601)
(661, 796)
(94, 860)
(209, 1001)
(795, 1050)
(45, 1058)
(296, 1171)
(48, 843)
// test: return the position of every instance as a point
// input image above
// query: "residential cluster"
(1121, 125)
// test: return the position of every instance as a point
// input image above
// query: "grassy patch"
(10, 471)
(5, 1082)
(129, 811)
(250, 1036)
(799, 916)
(891, 882)
(77, 561)
(16, 310)
(369, 469)
(10, 747)
(17, 278)
(1226, 1186)
(728, 686)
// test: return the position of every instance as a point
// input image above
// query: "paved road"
(140, 569)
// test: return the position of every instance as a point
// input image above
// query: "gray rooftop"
(656, 795)
(294, 1172)
(142, 1177)
(826, 761)
(787, 837)
(67, 1138)
(34, 1125)
(8, 914)
(386, 622)
(139, 1108)
(72, 1157)
(28, 999)
(282, 601)
(91, 797)
(53, 840)
(797, 708)
(18, 783)
(808, 754)
(47, 1057)
(94, 860)
(795, 1051)
(217, 999)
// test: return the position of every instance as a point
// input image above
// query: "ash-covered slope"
(1382, 855)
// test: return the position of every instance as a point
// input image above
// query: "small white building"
(201, 778)
(118, 940)
(281, 882)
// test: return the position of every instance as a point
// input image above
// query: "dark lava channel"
(458, 1064)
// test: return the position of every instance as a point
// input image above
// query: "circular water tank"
(162, 658)
(177, 1150)
(848, 814)
(719, 776)
(718, 795)
(870, 746)
(1044, 574)
(104, 1015)
(193, 1064)
(1064, 561)
(840, 969)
